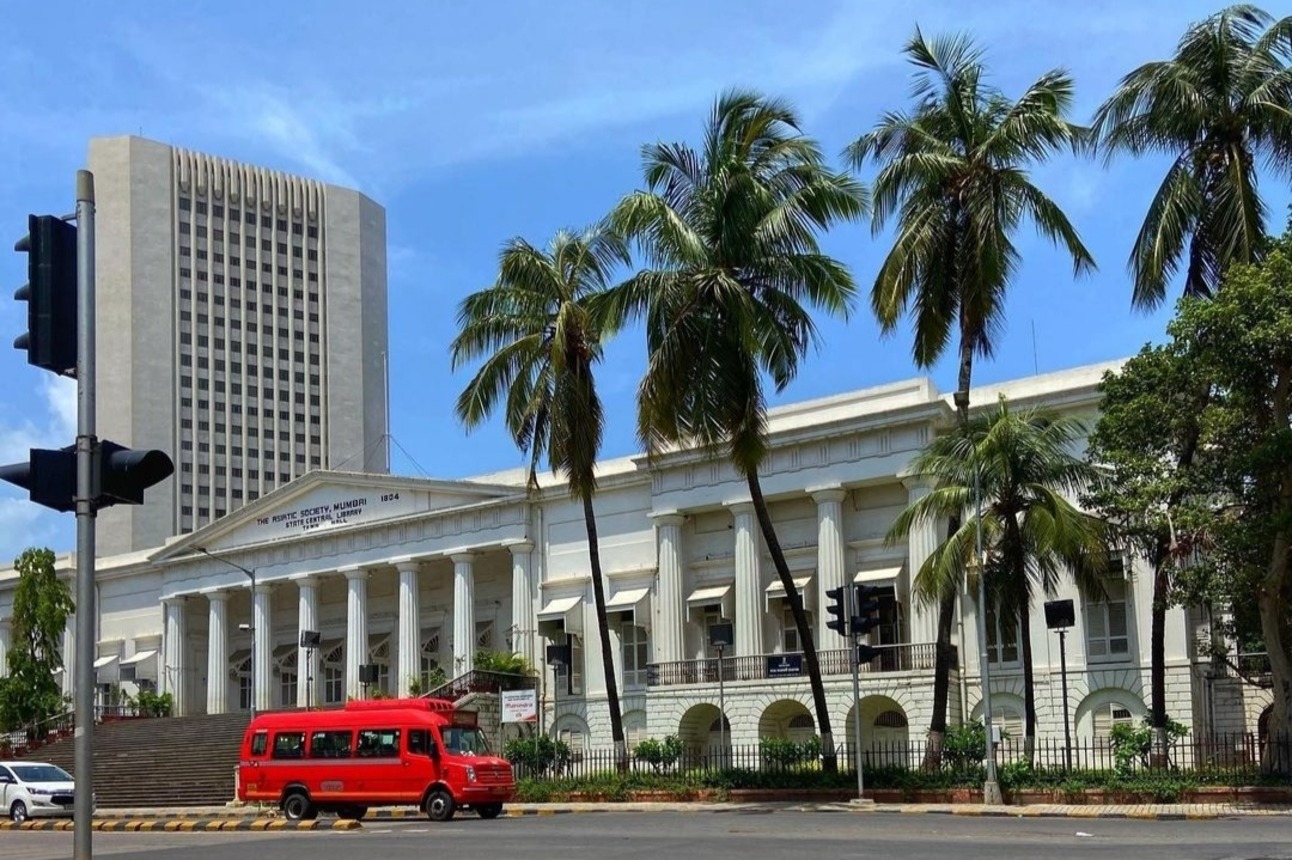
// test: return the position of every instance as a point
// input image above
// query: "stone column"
(262, 657)
(523, 620)
(217, 653)
(173, 668)
(830, 572)
(749, 582)
(356, 629)
(69, 655)
(409, 642)
(464, 614)
(308, 660)
(6, 633)
(920, 545)
(668, 634)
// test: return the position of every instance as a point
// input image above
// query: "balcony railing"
(919, 657)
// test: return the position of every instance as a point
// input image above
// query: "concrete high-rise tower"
(241, 328)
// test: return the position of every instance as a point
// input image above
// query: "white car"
(33, 789)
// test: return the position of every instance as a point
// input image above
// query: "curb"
(1023, 812)
(180, 814)
(190, 825)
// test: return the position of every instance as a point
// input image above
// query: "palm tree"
(1215, 107)
(1026, 472)
(540, 329)
(730, 238)
(954, 174)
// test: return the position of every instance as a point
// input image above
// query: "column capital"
(355, 573)
(827, 493)
(462, 557)
(740, 506)
(216, 595)
(667, 518)
(407, 564)
(912, 481)
(308, 580)
(265, 588)
(520, 547)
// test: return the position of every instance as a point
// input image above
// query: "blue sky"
(472, 123)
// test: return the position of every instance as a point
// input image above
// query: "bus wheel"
(297, 807)
(439, 805)
(489, 810)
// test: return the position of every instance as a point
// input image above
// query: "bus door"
(383, 767)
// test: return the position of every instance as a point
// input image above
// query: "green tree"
(42, 604)
(541, 329)
(730, 237)
(954, 174)
(1217, 106)
(1032, 535)
(1157, 498)
(1242, 342)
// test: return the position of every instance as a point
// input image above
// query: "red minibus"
(380, 752)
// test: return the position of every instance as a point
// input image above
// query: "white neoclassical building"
(413, 575)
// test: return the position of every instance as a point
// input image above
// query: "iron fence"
(1236, 757)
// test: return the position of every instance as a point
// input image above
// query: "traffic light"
(839, 609)
(123, 475)
(50, 293)
(865, 609)
(866, 653)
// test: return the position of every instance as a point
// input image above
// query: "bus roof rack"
(399, 704)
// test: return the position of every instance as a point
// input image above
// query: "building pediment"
(327, 501)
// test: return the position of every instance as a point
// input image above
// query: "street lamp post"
(251, 628)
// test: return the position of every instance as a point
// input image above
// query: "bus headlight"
(471, 774)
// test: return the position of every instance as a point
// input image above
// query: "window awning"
(104, 662)
(138, 657)
(632, 600)
(565, 613)
(719, 596)
(237, 658)
(776, 591)
(879, 576)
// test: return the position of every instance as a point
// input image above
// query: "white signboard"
(520, 706)
(333, 507)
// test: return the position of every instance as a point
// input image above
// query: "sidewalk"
(1159, 812)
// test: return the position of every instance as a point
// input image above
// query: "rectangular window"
(1004, 643)
(336, 744)
(259, 743)
(419, 742)
(636, 654)
(789, 632)
(289, 745)
(378, 743)
(1107, 628)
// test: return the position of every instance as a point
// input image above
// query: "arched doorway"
(786, 719)
(703, 730)
(885, 732)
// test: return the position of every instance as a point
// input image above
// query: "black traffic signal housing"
(865, 609)
(839, 609)
(123, 475)
(50, 292)
(866, 653)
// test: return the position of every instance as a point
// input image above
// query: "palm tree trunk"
(941, 682)
(603, 627)
(829, 760)
(946, 611)
(1029, 685)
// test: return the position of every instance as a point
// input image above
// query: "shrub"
(782, 753)
(537, 755)
(965, 746)
(660, 755)
(152, 704)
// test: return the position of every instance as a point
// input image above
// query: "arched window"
(334, 674)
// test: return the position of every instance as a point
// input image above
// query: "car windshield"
(41, 773)
(464, 741)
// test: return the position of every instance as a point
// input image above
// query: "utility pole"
(87, 452)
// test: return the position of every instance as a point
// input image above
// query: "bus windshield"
(464, 741)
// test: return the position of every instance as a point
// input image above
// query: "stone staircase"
(175, 761)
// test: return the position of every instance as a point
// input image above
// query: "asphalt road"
(712, 836)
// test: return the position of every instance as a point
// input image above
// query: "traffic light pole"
(856, 716)
(86, 493)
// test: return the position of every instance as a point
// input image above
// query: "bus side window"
(419, 742)
(289, 745)
(259, 743)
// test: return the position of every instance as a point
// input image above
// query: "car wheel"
(489, 810)
(297, 807)
(18, 812)
(439, 805)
